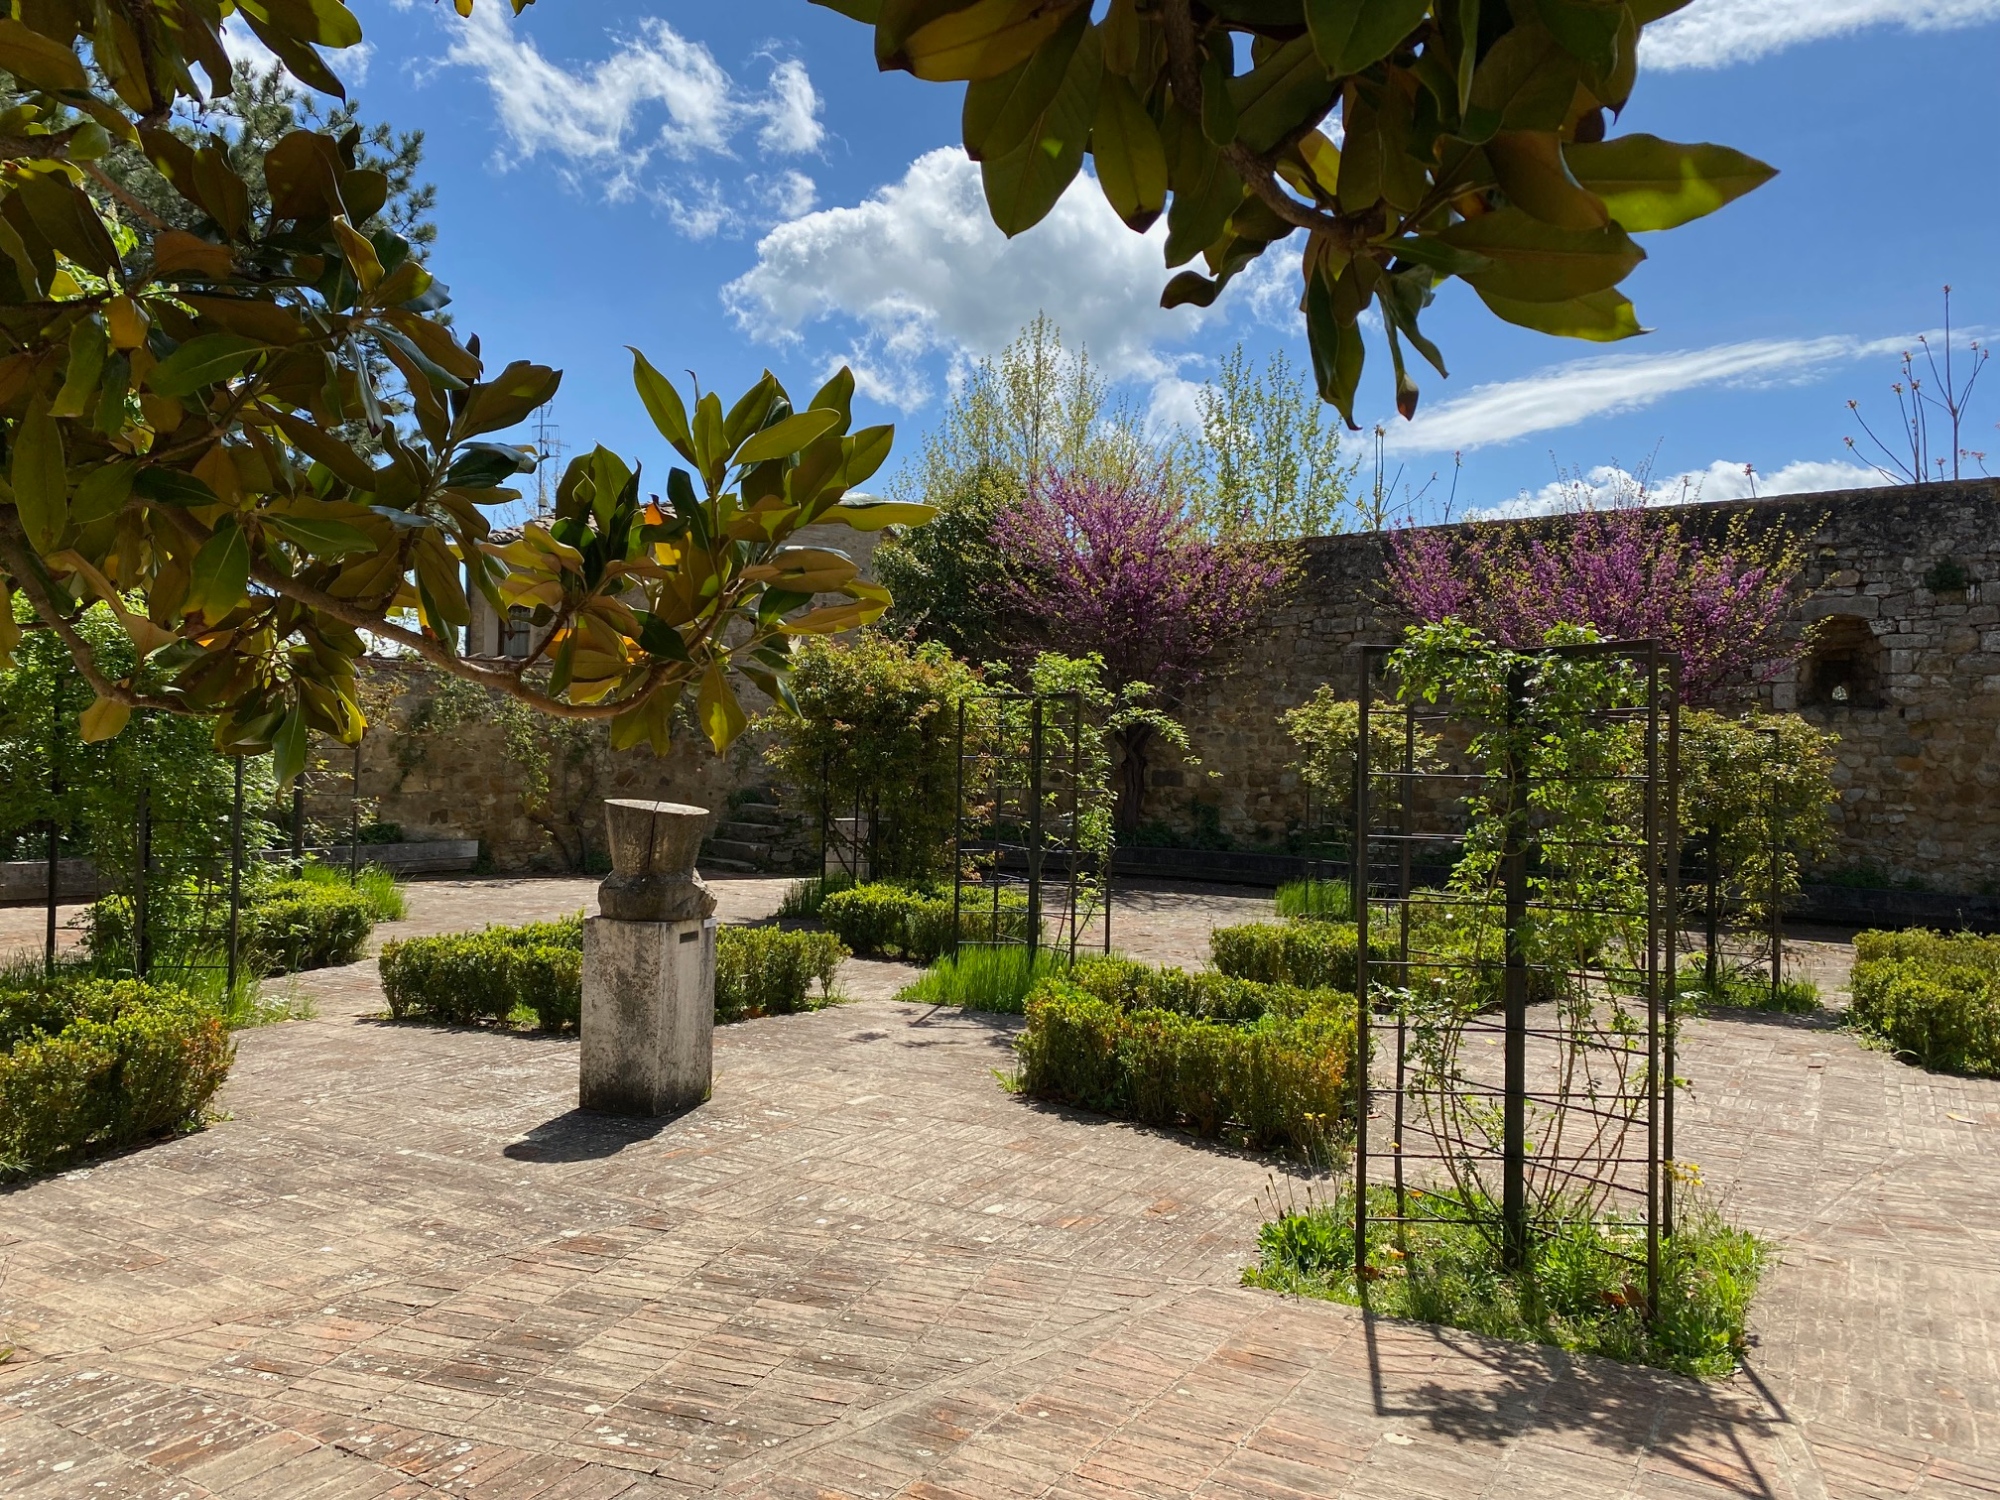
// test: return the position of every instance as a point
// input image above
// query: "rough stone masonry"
(1904, 585)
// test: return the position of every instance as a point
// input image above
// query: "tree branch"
(22, 563)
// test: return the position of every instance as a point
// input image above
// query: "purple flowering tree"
(1633, 574)
(1118, 570)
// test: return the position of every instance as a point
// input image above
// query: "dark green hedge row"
(1279, 1083)
(489, 976)
(1934, 998)
(288, 926)
(1321, 955)
(96, 1064)
(1131, 985)
(881, 920)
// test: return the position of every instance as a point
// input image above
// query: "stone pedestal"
(649, 967)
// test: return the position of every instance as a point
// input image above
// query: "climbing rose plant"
(1630, 574)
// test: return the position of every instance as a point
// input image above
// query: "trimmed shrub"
(1279, 1083)
(293, 925)
(1310, 954)
(764, 971)
(462, 978)
(98, 1064)
(880, 920)
(1130, 985)
(288, 926)
(1934, 998)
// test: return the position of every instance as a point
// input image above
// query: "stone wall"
(1905, 583)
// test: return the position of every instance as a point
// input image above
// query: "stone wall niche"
(1843, 667)
(649, 967)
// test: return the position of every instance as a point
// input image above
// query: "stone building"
(1903, 586)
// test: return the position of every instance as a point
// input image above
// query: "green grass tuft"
(1739, 988)
(385, 896)
(803, 897)
(986, 977)
(1320, 900)
(1574, 1295)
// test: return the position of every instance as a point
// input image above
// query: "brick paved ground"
(405, 1266)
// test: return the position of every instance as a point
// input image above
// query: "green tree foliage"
(877, 727)
(1473, 143)
(1757, 789)
(1272, 458)
(947, 577)
(191, 784)
(171, 409)
(1034, 407)
(1326, 728)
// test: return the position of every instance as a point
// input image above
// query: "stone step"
(728, 866)
(736, 849)
(764, 814)
(744, 833)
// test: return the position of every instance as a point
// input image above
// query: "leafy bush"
(1311, 954)
(293, 925)
(1130, 985)
(881, 920)
(505, 972)
(1279, 1083)
(463, 977)
(97, 1064)
(286, 927)
(764, 971)
(1934, 998)
(1572, 1295)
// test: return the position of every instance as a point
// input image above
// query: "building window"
(1844, 667)
(516, 633)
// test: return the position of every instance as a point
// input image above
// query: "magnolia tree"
(195, 411)
(1118, 571)
(1411, 141)
(1629, 574)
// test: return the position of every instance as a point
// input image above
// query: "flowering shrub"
(1631, 574)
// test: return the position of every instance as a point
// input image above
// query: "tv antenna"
(548, 461)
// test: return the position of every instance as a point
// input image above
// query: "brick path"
(405, 1266)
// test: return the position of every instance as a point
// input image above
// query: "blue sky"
(735, 186)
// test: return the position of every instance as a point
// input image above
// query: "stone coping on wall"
(24, 882)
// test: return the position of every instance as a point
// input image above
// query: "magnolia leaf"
(785, 437)
(1280, 94)
(40, 475)
(999, 112)
(221, 573)
(1647, 183)
(663, 405)
(1602, 317)
(873, 515)
(37, 60)
(1131, 161)
(1529, 166)
(318, 537)
(288, 747)
(202, 361)
(1350, 35)
(1537, 262)
(864, 453)
(10, 631)
(507, 399)
(1337, 349)
(1206, 190)
(1023, 184)
(982, 40)
(721, 716)
(105, 719)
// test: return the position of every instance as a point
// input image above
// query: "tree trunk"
(1131, 807)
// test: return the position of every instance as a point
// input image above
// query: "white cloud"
(657, 96)
(919, 267)
(1610, 486)
(1717, 33)
(1603, 385)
